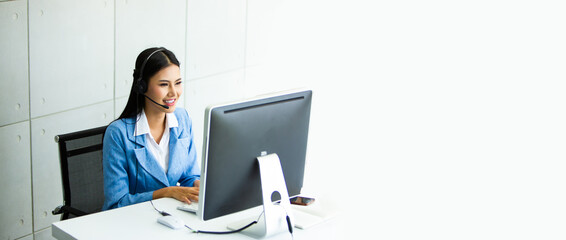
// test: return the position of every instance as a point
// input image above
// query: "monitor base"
(274, 217)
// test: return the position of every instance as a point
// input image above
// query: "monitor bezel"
(207, 124)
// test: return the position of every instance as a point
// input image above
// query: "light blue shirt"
(131, 172)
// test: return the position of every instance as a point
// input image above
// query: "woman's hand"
(183, 194)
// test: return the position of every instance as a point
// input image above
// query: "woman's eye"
(179, 83)
(163, 84)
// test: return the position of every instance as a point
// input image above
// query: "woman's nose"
(171, 91)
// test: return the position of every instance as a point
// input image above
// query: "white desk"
(139, 221)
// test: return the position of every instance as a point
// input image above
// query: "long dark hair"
(148, 63)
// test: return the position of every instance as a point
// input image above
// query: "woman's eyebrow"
(165, 80)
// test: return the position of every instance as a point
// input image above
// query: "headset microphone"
(161, 105)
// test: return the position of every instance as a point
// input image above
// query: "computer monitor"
(235, 134)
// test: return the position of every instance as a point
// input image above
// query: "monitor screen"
(235, 134)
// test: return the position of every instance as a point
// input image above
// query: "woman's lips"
(170, 102)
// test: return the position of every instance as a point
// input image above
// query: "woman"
(148, 151)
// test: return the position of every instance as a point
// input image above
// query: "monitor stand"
(274, 218)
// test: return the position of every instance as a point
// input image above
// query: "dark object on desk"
(303, 201)
(81, 172)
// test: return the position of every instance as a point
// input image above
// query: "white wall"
(437, 119)
(431, 119)
(434, 119)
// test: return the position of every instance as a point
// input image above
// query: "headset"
(140, 86)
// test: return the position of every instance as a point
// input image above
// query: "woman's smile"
(170, 102)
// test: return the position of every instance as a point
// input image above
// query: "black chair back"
(81, 171)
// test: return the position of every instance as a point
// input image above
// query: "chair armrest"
(58, 210)
(67, 209)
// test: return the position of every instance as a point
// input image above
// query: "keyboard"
(193, 207)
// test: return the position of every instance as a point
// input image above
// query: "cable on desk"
(227, 232)
(208, 232)
(289, 225)
(160, 212)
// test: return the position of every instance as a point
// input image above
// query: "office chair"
(81, 172)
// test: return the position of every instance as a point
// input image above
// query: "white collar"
(142, 126)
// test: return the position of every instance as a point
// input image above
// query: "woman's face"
(165, 87)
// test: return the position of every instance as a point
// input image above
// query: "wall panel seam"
(29, 119)
(75, 108)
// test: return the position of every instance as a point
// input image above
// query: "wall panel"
(44, 234)
(71, 54)
(28, 237)
(144, 24)
(207, 91)
(15, 179)
(14, 100)
(260, 15)
(119, 105)
(47, 188)
(216, 36)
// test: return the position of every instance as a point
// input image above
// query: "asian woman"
(148, 152)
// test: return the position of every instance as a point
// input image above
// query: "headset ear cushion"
(140, 88)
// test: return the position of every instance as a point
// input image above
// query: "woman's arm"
(189, 179)
(183, 194)
(116, 171)
(192, 173)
